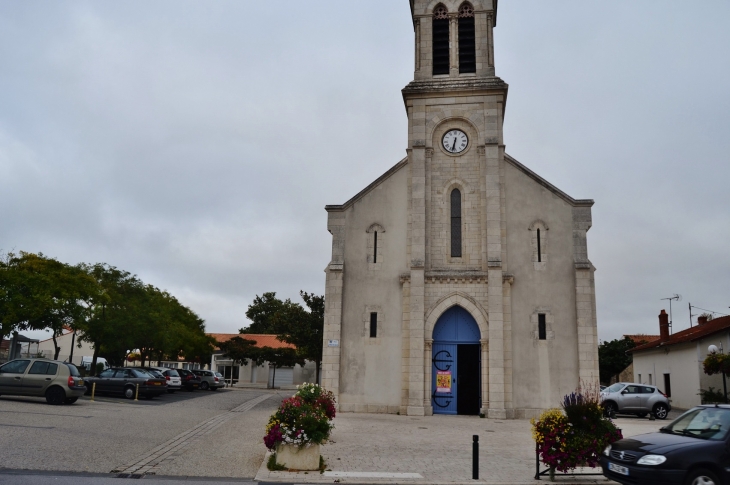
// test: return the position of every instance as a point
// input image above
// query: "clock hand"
(453, 147)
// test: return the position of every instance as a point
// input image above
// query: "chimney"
(663, 326)
(701, 320)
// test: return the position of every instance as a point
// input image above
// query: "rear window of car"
(172, 373)
(45, 368)
(73, 370)
(648, 390)
(142, 373)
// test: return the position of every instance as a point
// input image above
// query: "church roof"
(570, 200)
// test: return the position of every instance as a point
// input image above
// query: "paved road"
(184, 434)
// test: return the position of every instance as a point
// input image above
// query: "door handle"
(48, 378)
(16, 378)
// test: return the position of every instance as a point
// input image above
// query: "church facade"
(459, 281)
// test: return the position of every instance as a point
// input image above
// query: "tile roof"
(689, 335)
(640, 337)
(262, 340)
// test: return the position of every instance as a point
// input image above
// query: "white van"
(87, 359)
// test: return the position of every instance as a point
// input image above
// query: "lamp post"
(713, 350)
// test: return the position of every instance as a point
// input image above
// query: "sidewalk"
(385, 448)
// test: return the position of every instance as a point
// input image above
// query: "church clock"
(455, 141)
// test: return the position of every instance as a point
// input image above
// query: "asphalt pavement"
(102, 436)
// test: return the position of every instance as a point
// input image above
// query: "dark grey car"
(638, 399)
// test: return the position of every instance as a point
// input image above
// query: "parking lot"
(200, 433)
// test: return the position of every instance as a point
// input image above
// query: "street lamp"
(713, 350)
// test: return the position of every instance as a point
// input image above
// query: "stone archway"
(479, 315)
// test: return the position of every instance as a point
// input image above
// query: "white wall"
(684, 365)
(64, 342)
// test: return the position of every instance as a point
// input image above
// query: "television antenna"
(677, 298)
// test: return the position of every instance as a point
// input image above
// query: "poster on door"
(443, 381)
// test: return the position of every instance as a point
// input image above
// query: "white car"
(174, 383)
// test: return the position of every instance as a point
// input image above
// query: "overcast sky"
(195, 144)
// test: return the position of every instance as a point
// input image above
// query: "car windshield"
(615, 388)
(703, 423)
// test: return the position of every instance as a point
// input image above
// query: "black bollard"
(475, 458)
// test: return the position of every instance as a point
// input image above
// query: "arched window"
(456, 223)
(440, 40)
(467, 45)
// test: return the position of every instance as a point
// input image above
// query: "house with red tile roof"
(673, 361)
(251, 375)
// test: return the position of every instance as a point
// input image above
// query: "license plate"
(622, 470)
(80, 382)
(158, 384)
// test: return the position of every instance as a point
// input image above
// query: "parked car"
(638, 399)
(189, 380)
(209, 380)
(58, 382)
(691, 450)
(172, 377)
(124, 381)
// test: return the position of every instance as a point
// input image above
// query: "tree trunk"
(92, 370)
(55, 345)
(71, 354)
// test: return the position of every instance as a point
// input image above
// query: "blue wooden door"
(456, 326)
(443, 378)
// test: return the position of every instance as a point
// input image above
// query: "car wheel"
(70, 400)
(642, 415)
(129, 392)
(55, 396)
(610, 408)
(204, 386)
(701, 476)
(660, 411)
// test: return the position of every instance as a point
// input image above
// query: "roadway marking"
(371, 475)
(147, 463)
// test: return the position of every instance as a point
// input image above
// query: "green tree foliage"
(265, 313)
(305, 328)
(241, 350)
(43, 293)
(613, 357)
(107, 307)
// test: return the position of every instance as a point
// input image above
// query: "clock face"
(455, 141)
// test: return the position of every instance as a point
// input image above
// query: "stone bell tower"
(455, 91)
(459, 281)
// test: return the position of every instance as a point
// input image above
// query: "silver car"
(638, 399)
(209, 380)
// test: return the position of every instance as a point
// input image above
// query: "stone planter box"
(296, 458)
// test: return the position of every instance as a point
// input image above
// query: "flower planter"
(296, 457)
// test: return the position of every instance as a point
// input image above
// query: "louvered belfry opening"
(456, 223)
(440, 40)
(467, 43)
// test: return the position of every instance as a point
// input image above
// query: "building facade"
(459, 281)
(674, 362)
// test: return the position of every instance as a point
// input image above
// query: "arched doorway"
(456, 364)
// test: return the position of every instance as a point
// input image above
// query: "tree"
(304, 329)
(265, 314)
(241, 350)
(280, 357)
(41, 293)
(613, 357)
